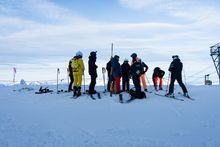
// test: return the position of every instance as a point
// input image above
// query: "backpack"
(136, 69)
(138, 95)
(75, 65)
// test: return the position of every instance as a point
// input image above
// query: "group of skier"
(135, 70)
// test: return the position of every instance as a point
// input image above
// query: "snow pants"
(92, 83)
(125, 83)
(143, 81)
(155, 81)
(117, 88)
(77, 79)
(179, 80)
(136, 81)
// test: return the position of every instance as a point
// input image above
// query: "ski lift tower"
(215, 54)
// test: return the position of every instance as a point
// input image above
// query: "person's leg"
(75, 88)
(179, 80)
(92, 85)
(117, 85)
(123, 83)
(143, 80)
(79, 84)
(161, 84)
(171, 87)
(127, 83)
(71, 83)
(155, 81)
(136, 81)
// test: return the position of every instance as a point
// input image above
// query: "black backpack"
(137, 94)
(136, 68)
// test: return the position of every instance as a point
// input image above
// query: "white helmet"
(79, 54)
(125, 60)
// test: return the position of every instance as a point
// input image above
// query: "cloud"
(63, 39)
(138, 4)
(194, 11)
(24, 35)
(43, 11)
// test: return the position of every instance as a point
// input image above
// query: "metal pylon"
(215, 54)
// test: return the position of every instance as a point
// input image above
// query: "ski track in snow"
(56, 120)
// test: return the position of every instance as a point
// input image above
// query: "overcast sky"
(155, 29)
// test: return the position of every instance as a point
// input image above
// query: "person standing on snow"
(92, 72)
(136, 70)
(110, 78)
(70, 71)
(158, 74)
(125, 67)
(78, 71)
(175, 69)
(142, 77)
(116, 73)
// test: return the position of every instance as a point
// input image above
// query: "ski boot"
(79, 91)
(170, 95)
(75, 89)
(92, 92)
(186, 95)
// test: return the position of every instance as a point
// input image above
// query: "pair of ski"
(175, 98)
(90, 95)
(44, 90)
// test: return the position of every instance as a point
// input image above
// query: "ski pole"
(58, 72)
(111, 80)
(184, 77)
(68, 78)
(149, 83)
(103, 72)
(84, 83)
(168, 82)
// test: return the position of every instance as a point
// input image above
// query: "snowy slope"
(56, 120)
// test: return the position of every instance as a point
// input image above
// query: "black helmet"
(156, 69)
(134, 55)
(175, 57)
(93, 53)
(116, 57)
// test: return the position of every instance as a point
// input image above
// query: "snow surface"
(56, 120)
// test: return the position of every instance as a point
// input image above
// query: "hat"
(79, 54)
(125, 60)
(134, 55)
(116, 56)
(93, 53)
(175, 57)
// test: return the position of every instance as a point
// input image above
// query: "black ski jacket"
(158, 72)
(125, 68)
(92, 66)
(116, 68)
(136, 68)
(176, 67)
